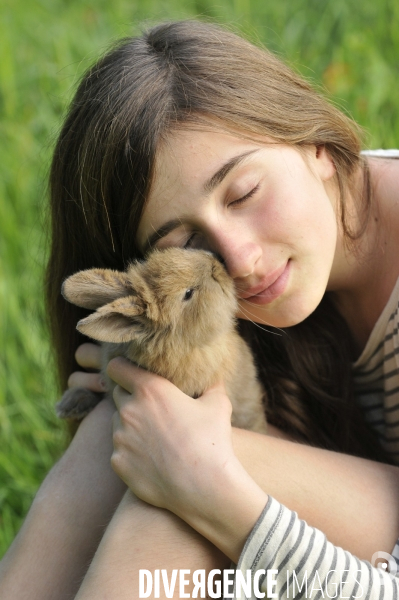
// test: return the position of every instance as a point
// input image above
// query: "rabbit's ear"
(115, 322)
(95, 287)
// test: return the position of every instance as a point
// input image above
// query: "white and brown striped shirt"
(306, 564)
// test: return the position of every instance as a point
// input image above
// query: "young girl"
(190, 136)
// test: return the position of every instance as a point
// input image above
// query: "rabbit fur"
(173, 314)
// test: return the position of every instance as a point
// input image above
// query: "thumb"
(217, 388)
(216, 394)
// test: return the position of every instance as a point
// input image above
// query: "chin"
(299, 309)
(285, 312)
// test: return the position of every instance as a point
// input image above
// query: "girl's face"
(267, 209)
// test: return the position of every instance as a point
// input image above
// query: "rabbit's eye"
(188, 294)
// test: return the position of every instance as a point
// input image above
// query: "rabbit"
(173, 314)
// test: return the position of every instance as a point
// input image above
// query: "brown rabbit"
(173, 314)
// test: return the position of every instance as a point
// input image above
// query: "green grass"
(348, 47)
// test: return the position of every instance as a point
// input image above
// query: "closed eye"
(246, 197)
(190, 241)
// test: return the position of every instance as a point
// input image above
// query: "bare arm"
(355, 502)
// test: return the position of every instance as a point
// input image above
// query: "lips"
(271, 286)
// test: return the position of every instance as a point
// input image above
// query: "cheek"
(305, 222)
(306, 233)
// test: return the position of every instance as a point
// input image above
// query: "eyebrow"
(209, 186)
(160, 233)
(218, 177)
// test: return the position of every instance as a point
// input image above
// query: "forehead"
(185, 161)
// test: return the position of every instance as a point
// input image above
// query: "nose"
(240, 257)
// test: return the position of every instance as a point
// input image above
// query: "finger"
(91, 381)
(129, 376)
(218, 387)
(116, 422)
(89, 356)
(121, 397)
(217, 394)
(214, 391)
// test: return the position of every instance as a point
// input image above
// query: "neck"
(363, 277)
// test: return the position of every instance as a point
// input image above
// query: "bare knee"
(140, 537)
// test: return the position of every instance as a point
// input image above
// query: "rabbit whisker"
(248, 314)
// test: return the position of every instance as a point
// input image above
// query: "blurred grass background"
(350, 48)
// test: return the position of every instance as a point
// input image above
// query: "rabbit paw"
(76, 403)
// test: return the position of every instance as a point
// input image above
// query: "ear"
(115, 322)
(324, 163)
(95, 287)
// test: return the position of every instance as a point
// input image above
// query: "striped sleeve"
(286, 558)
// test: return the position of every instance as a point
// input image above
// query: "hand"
(88, 356)
(167, 445)
(176, 453)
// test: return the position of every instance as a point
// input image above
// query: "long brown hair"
(191, 73)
